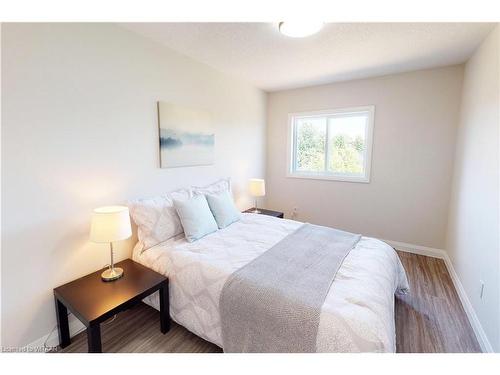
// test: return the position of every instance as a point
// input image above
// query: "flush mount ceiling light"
(300, 29)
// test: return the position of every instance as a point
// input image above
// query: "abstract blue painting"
(187, 137)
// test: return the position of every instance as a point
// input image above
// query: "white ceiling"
(259, 54)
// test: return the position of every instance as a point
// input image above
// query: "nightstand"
(93, 301)
(263, 211)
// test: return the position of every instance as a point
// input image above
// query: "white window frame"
(291, 149)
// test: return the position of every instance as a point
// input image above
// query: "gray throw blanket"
(273, 304)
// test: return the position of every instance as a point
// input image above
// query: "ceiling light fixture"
(299, 29)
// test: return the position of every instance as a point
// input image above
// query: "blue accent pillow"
(196, 217)
(223, 209)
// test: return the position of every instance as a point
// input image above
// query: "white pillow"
(156, 218)
(217, 187)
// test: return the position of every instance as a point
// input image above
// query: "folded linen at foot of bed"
(273, 304)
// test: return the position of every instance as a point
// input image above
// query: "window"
(331, 145)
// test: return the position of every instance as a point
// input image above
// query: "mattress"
(358, 312)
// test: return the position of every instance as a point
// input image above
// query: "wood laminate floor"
(430, 319)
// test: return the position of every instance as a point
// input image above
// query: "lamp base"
(112, 274)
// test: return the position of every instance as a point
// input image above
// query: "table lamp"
(110, 224)
(257, 189)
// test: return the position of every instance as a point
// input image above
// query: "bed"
(357, 315)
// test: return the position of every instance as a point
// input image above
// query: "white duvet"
(358, 313)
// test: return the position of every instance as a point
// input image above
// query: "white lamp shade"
(109, 224)
(257, 187)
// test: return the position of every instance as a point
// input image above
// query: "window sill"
(363, 180)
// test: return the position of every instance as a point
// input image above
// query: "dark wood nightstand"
(93, 301)
(263, 211)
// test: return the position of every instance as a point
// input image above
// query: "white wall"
(414, 134)
(79, 130)
(473, 230)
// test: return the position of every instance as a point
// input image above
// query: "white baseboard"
(469, 310)
(417, 249)
(75, 327)
(464, 299)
